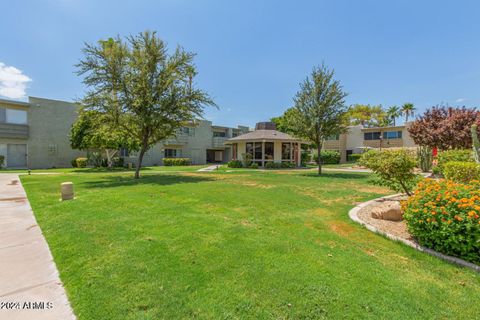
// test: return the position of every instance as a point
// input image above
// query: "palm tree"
(408, 110)
(393, 113)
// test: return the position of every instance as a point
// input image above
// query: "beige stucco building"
(358, 138)
(35, 134)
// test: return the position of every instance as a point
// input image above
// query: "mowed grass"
(237, 245)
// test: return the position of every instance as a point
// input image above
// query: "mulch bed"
(396, 228)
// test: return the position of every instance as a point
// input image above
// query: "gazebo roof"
(264, 131)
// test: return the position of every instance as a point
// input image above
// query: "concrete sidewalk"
(209, 168)
(30, 287)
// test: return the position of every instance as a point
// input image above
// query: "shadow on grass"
(162, 180)
(103, 169)
(336, 175)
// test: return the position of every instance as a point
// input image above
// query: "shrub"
(176, 161)
(95, 159)
(247, 159)
(2, 161)
(354, 157)
(461, 171)
(328, 157)
(118, 162)
(80, 162)
(235, 164)
(393, 168)
(452, 155)
(286, 164)
(254, 166)
(305, 158)
(444, 216)
(273, 165)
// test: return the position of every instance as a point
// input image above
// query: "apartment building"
(35, 134)
(358, 138)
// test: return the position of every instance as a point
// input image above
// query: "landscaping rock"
(388, 211)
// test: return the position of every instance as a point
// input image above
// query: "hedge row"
(176, 161)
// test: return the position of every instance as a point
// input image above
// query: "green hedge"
(2, 161)
(80, 162)
(279, 165)
(452, 155)
(176, 161)
(461, 171)
(328, 157)
(235, 164)
(354, 157)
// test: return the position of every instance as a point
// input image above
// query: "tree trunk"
(110, 157)
(139, 162)
(319, 157)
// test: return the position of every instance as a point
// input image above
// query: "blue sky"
(251, 55)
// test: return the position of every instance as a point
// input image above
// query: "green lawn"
(237, 245)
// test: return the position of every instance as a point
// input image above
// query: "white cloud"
(459, 100)
(13, 82)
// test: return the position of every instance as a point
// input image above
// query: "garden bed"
(397, 230)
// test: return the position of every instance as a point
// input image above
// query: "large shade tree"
(368, 115)
(445, 128)
(150, 91)
(319, 110)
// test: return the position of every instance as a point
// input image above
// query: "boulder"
(390, 210)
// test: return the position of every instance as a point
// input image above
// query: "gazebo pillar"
(263, 153)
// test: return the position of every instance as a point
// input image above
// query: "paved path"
(209, 168)
(28, 274)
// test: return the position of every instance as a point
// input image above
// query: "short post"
(67, 191)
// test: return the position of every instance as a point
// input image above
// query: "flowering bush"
(445, 216)
(452, 155)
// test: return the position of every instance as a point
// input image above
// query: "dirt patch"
(396, 228)
(341, 228)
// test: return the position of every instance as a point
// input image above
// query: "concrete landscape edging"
(353, 214)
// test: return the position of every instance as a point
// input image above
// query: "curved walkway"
(30, 287)
(353, 214)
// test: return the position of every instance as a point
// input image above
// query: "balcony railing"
(13, 131)
(180, 139)
(219, 142)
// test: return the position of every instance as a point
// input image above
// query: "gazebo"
(266, 144)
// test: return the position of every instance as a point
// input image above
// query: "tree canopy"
(319, 109)
(141, 88)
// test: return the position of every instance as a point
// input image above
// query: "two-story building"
(359, 138)
(35, 134)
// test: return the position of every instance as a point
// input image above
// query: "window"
(234, 134)
(371, 136)
(258, 151)
(249, 149)
(286, 151)
(392, 135)
(172, 153)
(123, 152)
(52, 149)
(13, 116)
(219, 134)
(187, 131)
(335, 137)
(268, 150)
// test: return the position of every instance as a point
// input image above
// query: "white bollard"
(67, 191)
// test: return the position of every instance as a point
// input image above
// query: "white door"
(17, 155)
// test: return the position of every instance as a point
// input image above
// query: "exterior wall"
(354, 139)
(49, 124)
